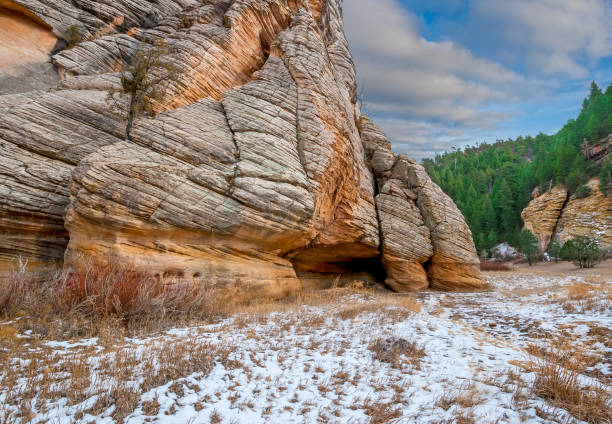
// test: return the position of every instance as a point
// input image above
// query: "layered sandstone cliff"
(556, 215)
(260, 172)
(542, 214)
(590, 216)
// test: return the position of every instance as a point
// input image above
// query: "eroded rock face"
(25, 45)
(542, 214)
(557, 215)
(590, 216)
(259, 172)
(425, 240)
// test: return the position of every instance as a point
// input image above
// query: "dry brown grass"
(467, 396)
(381, 412)
(559, 370)
(398, 352)
(116, 377)
(92, 296)
(395, 307)
(347, 302)
(463, 400)
(593, 295)
(493, 266)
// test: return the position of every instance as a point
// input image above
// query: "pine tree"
(491, 240)
(554, 250)
(492, 183)
(507, 212)
(593, 128)
(489, 216)
(144, 82)
(528, 245)
(605, 178)
(595, 91)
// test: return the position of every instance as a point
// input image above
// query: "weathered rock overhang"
(257, 174)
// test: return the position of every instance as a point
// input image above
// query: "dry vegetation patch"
(559, 368)
(102, 381)
(89, 298)
(493, 266)
(592, 295)
(398, 352)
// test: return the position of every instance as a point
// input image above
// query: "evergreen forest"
(492, 183)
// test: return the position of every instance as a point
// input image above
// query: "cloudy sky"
(444, 73)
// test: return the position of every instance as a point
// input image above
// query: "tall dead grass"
(97, 294)
(560, 380)
(592, 295)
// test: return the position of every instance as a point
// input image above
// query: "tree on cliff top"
(144, 83)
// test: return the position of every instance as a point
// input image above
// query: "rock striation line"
(258, 174)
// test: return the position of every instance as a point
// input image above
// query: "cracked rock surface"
(259, 173)
(558, 215)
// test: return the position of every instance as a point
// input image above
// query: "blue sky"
(438, 74)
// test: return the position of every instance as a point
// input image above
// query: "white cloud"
(429, 95)
(421, 139)
(422, 83)
(550, 36)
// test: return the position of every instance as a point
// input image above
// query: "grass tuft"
(559, 380)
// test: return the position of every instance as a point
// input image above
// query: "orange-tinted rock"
(590, 216)
(425, 239)
(25, 48)
(254, 176)
(542, 214)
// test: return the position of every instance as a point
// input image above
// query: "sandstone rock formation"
(259, 173)
(590, 216)
(503, 252)
(25, 45)
(555, 215)
(424, 236)
(542, 214)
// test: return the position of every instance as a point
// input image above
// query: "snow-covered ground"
(316, 363)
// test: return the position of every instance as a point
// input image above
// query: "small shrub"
(398, 352)
(72, 37)
(583, 191)
(528, 245)
(582, 251)
(554, 250)
(17, 291)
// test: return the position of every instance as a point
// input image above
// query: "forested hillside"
(492, 183)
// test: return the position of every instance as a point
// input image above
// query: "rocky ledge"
(259, 174)
(557, 215)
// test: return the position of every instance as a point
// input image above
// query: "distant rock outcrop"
(542, 214)
(503, 252)
(260, 173)
(555, 215)
(590, 216)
